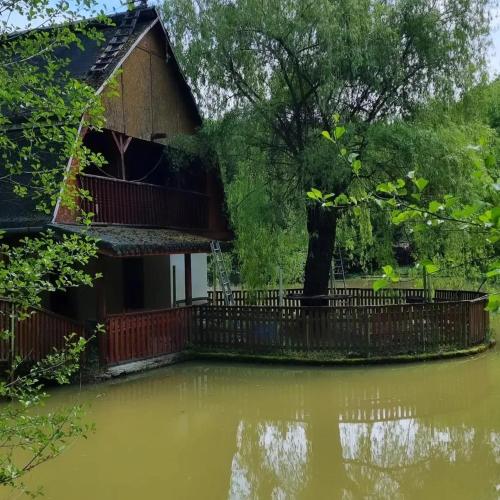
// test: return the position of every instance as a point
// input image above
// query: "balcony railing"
(115, 201)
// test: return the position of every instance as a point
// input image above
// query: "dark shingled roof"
(18, 213)
(126, 241)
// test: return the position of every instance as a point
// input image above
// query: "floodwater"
(227, 431)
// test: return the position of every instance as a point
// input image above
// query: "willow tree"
(287, 67)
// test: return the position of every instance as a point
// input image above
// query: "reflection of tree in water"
(382, 457)
(270, 460)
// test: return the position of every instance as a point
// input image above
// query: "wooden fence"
(363, 324)
(340, 296)
(357, 330)
(146, 334)
(37, 335)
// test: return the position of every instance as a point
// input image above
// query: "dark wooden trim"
(188, 280)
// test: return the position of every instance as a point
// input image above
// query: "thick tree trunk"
(321, 227)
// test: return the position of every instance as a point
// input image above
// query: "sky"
(493, 56)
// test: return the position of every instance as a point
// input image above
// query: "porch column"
(188, 282)
(102, 341)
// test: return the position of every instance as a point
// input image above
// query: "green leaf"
(379, 284)
(342, 199)
(435, 206)
(388, 270)
(387, 187)
(327, 135)
(493, 303)
(315, 194)
(339, 132)
(421, 183)
(356, 166)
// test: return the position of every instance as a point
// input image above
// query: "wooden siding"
(38, 335)
(153, 97)
(146, 334)
(121, 202)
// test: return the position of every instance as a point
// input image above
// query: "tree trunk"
(321, 227)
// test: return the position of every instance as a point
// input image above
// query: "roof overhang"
(129, 241)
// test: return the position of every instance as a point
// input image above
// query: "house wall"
(82, 302)
(199, 268)
(153, 98)
(198, 275)
(177, 261)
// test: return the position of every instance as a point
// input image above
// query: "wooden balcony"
(115, 201)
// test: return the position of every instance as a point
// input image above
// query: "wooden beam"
(188, 281)
(122, 143)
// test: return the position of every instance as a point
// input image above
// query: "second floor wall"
(154, 102)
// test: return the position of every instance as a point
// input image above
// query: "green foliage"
(30, 436)
(428, 210)
(277, 77)
(42, 111)
(44, 264)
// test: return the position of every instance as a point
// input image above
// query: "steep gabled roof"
(18, 214)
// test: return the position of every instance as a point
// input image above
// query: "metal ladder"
(220, 269)
(337, 272)
(121, 35)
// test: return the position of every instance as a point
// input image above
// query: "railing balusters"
(115, 201)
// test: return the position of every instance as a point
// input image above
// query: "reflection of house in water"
(401, 432)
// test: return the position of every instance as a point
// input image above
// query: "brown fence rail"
(37, 335)
(340, 297)
(361, 330)
(146, 334)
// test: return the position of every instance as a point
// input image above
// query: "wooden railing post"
(103, 336)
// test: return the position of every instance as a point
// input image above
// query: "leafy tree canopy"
(275, 74)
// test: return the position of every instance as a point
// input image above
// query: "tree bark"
(321, 227)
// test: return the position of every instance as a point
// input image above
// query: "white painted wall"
(199, 263)
(199, 269)
(177, 260)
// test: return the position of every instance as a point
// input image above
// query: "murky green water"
(217, 431)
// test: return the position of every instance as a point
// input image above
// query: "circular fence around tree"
(358, 322)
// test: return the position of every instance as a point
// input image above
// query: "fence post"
(12, 342)
(280, 271)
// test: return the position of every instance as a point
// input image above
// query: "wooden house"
(154, 221)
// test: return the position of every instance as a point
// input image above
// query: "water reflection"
(253, 432)
(272, 452)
